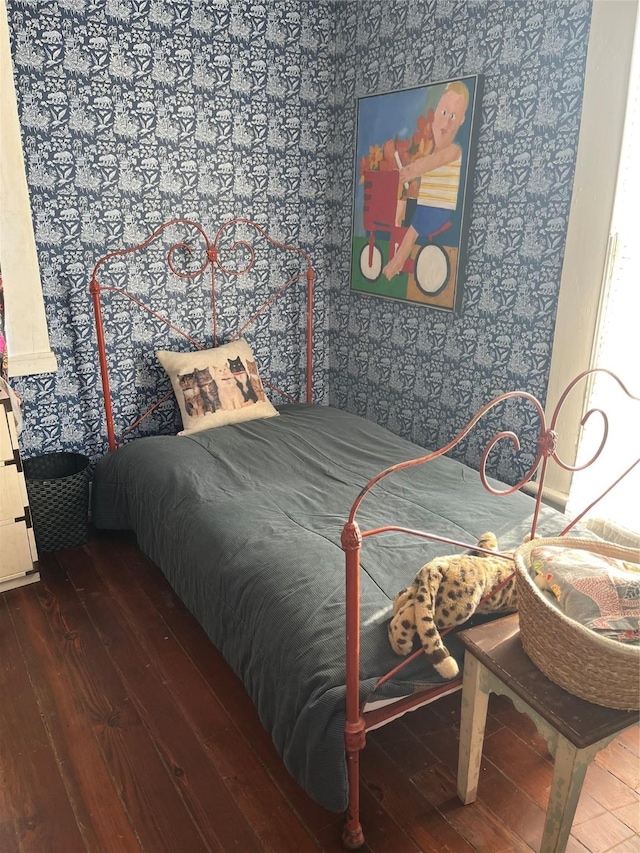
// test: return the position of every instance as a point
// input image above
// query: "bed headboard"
(190, 268)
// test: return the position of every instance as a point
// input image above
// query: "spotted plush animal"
(446, 592)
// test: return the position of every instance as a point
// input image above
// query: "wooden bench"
(575, 730)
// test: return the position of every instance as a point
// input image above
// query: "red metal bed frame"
(358, 719)
(212, 261)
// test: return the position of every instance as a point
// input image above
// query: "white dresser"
(18, 557)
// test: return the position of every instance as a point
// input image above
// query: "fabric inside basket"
(599, 592)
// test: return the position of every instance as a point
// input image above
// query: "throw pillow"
(216, 387)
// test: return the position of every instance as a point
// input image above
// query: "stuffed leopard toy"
(446, 593)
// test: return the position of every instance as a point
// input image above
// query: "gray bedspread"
(245, 522)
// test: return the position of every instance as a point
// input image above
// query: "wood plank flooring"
(123, 729)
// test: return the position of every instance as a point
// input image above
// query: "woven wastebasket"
(58, 488)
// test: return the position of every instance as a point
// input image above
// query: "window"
(617, 342)
(588, 246)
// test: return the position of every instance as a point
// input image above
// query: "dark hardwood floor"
(122, 729)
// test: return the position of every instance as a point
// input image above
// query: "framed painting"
(415, 153)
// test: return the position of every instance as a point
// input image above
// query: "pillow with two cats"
(217, 386)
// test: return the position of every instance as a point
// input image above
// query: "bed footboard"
(358, 720)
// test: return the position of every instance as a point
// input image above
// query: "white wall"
(588, 235)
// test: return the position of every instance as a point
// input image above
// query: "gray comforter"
(245, 522)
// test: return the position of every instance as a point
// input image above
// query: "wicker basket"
(58, 488)
(585, 664)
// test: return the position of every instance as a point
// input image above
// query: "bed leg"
(352, 839)
(352, 835)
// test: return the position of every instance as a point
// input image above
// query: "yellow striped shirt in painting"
(439, 188)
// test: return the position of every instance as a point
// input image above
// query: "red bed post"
(354, 727)
(94, 289)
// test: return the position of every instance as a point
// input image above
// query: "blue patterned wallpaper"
(135, 112)
(416, 370)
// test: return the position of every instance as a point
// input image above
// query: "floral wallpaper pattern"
(136, 111)
(418, 371)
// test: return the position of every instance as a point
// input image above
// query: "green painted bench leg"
(569, 770)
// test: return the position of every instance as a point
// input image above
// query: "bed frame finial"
(548, 442)
(351, 538)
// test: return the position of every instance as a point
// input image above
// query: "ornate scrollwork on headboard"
(210, 263)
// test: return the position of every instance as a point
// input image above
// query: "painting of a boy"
(408, 226)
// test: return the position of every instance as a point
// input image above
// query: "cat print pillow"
(217, 386)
